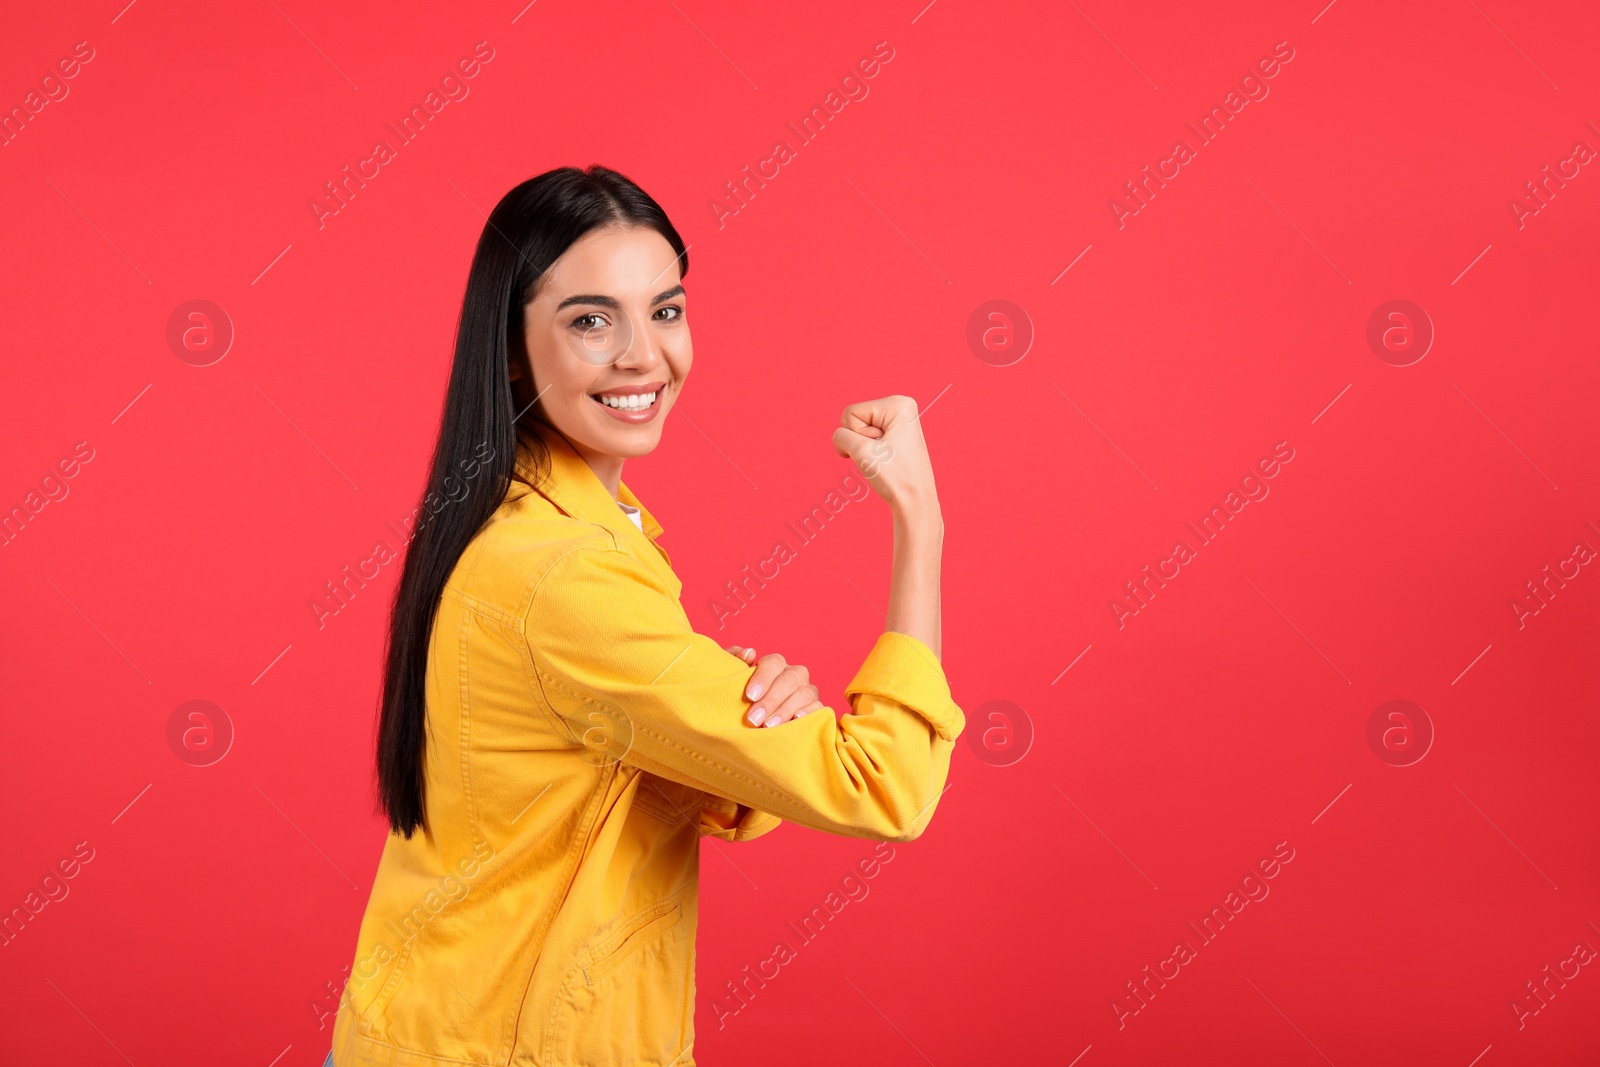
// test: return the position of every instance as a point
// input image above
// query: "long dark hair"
(476, 452)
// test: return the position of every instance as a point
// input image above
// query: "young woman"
(555, 738)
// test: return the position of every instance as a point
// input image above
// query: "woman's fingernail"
(755, 691)
(771, 722)
(756, 715)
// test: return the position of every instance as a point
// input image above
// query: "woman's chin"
(627, 442)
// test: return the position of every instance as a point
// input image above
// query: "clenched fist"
(884, 440)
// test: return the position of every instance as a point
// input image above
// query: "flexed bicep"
(619, 662)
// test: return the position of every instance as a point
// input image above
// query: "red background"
(1174, 754)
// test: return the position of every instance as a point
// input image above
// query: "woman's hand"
(779, 690)
(884, 440)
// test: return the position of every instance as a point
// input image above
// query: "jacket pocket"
(634, 935)
(674, 804)
(628, 1001)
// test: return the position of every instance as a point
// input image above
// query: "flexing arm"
(874, 434)
(617, 660)
(884, 438)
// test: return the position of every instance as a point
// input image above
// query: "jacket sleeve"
(617, 662)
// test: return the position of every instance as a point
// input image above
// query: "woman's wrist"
(918, 511)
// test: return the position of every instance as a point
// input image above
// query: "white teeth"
(636, 402)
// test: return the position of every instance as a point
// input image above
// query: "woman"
(555, 738)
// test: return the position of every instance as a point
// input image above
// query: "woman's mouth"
(632, 403)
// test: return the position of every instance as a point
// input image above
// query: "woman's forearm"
(882, 437)
(914, 581)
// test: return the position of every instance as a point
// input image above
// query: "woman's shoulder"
(519, 544)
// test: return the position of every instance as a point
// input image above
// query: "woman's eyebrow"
(612, 303)
(603, 301)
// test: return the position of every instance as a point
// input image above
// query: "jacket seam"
(547, 677)
(475, 832)
(603, 540)
(596, 536)
(580, 839)
(482, 607)
(737, 775)
(405, 955)
(402, 963)
(423, 1055)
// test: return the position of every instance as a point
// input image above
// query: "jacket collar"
(573, 486)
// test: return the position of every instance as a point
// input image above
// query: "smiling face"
(608, 344)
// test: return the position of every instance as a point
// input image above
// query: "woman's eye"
(591, 321)
(672, 313)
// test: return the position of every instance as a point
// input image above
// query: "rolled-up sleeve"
(618, 663)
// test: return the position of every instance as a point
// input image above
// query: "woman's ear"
(516, 350)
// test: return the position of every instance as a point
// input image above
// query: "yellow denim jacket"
(582, 738)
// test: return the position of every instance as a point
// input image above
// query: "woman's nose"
(642, 351)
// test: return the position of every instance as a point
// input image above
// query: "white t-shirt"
(632, 513)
